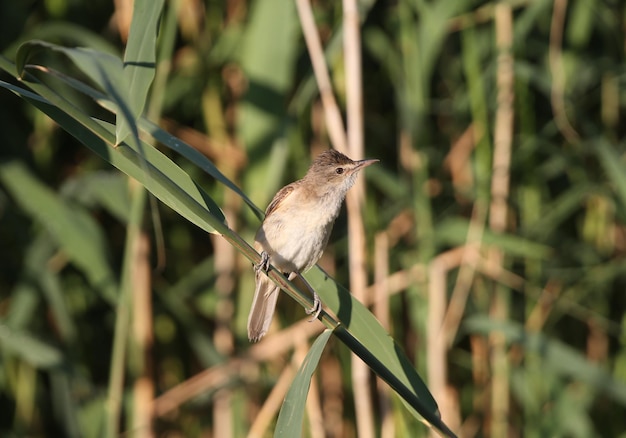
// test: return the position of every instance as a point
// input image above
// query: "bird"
(297, 225)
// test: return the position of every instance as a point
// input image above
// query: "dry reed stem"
(381, 311)
(503, 130)
(314, 411)
(356, 230)
(470, 426)
(266, 415)
(597, 343)
(503, 139)
(381, 276)
(122, 17)
(557, 98)
(270, 347)
(123, 324)
(313, 400)
(225, 261)
(468, 264)
(191, 16)
(210, 378)
(436, 347)
(144, 337)
(277, 343)
(543, 307)
(331, 383)
(223, 413)
(275, 400)
(320, 70)
(459, 164)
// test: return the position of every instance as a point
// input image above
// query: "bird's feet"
(317, 303)
(317, 307)
(264, 264)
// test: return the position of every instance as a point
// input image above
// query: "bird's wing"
(280, 197)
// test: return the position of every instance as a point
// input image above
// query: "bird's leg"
(264, 264)
(317, 303)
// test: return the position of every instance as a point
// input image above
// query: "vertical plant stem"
(123, 15)
(225, 268)
(313, 401)
(436, 362)
(503, 134)
(354, 88)
(356, 230)
(122, 321)
(381, 310)
(334, 121)
(332, 387)
(273, 402)
(503, 139)
(143, 338)
(141, 353)
(460, 293)
(482, 168)
(380, 299)
(436, 346)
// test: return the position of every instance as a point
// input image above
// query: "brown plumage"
(297, 225)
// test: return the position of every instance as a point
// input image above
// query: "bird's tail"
(263, 305)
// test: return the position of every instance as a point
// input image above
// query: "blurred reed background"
(491, 244)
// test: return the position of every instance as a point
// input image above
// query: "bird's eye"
(339, 170)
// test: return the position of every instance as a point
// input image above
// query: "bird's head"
(333, 171)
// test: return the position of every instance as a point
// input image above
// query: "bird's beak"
(364, 163)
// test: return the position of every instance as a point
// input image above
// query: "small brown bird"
(297, 225)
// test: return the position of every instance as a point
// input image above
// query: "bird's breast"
(295, 237)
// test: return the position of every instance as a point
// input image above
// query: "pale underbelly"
(294, 248)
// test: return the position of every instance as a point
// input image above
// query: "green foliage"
(79, 122)
(291, 416)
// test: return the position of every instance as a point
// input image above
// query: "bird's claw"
(264, 264)
(316, 309)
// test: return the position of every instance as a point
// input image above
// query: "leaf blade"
(291, 414)
(139, 66)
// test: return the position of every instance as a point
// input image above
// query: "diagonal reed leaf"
(291, 414)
